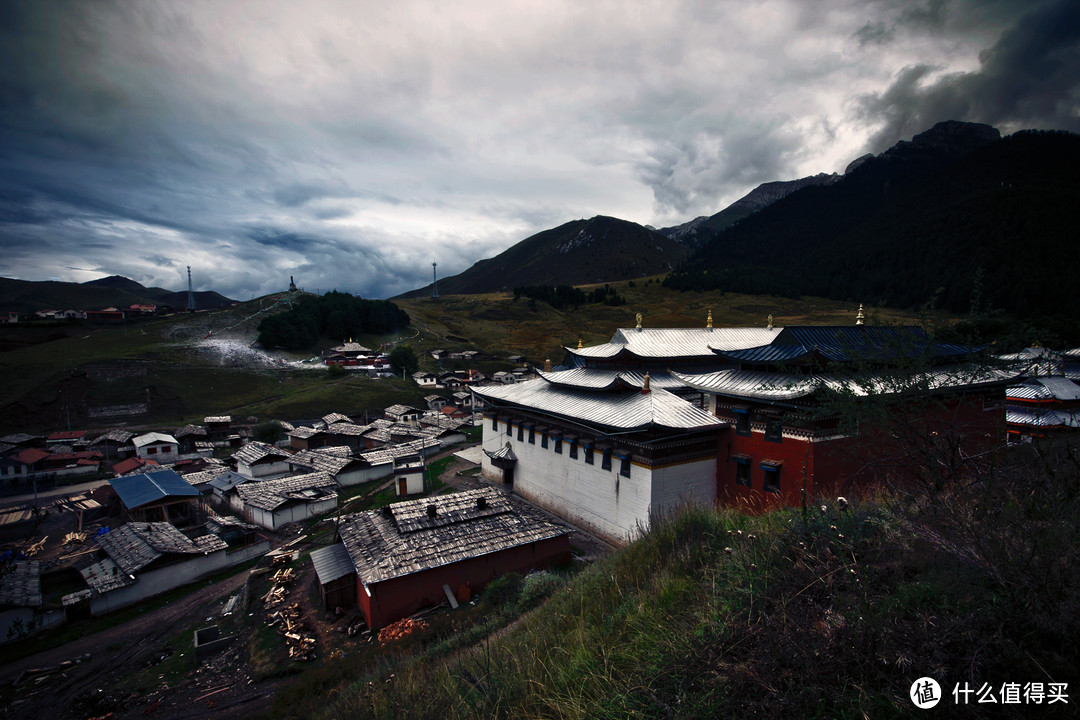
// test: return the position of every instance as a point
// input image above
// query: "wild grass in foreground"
(833, 612)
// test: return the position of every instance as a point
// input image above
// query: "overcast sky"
(351, 144)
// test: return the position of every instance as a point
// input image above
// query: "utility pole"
(434, 281)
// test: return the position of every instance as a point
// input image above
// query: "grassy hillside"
(57, 367)
(498, 323)
(581, 251)
(829, 613)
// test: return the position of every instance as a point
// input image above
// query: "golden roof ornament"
(639, 321)
(861, 316)
(580, 342)
(708, 320)
(770, 322)
(547, 365)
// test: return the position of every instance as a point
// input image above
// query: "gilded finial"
(708, 321)
(639, 321)
(580, 343)
(861, 316)
(547, 365)
(770, 322)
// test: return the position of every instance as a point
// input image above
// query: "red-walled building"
(832, 410)
(405, 553)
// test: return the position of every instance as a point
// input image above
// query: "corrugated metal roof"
(1041, 417)
(138, 490)
(600, 379)
(1058, 388)
(332, 562)
(153, 437)
(630, 410)
(783, 386)
(676, 342)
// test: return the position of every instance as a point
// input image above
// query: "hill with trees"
(333, 315)
(956, 218)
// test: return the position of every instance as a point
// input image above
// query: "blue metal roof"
(138, 490)
(845, 343)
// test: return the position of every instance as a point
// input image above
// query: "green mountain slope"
(989, 227)
(581, 252)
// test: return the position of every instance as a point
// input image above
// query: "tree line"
(564, 296)
(333, 315)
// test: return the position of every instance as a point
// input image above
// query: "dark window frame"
(605, 460)
(771, 480)
(590, 459)
(742, 472)
(742, 422)
(624, 465)
(774, 429)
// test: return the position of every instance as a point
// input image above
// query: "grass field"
(56, 373)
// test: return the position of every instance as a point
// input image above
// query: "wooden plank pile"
(280, 582)
(399, 629)
(298, 637)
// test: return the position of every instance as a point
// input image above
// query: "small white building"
(409, 479)
(273, 503)
(257, 460)
(159, 447)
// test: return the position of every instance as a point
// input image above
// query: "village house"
(338, 462)
(435, 402)
(133, 466)
(158, 496)
(218, 429)
(409, 478)
(402, 414)
(273, 503)
(259, 460)
(425, 379)
(191, 439)
(74, 439)
(411, 554)
(21, 601)
(159, 447)
(115, 444)
(142, 559)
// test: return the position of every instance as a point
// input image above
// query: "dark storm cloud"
(352, 144)
(1027, 79)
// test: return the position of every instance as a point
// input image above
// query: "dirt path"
(84, 689)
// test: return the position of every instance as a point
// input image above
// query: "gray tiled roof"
(630, 410)
(315, 460)
(136, 545)
(401, 539)
(272, 494)
(21, 584)
(255, 451)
